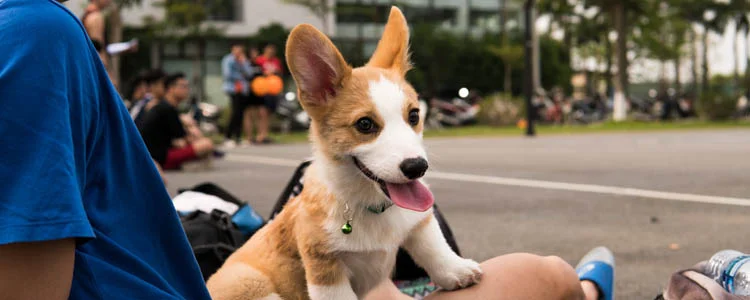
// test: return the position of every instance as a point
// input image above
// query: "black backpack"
(213, 236)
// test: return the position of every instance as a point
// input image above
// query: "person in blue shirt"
(236, 70)
(83, 211)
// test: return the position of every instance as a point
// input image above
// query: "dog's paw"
(460, 273)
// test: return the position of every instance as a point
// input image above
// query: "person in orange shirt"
(270, 64)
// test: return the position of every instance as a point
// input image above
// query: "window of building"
(485, 19)
(218, 10)
(361, 13)
(225, 10)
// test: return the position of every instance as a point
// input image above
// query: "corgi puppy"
(339, 238)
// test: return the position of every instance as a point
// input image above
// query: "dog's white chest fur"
(368, 269)
(369, 251)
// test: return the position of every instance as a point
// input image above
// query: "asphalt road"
(563, 195)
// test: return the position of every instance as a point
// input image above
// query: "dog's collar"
(379, 209)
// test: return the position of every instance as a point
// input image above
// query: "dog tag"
(346, 228)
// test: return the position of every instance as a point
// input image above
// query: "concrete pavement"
(500, 212)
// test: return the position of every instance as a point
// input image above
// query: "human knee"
(203, 145)
(563, 277)
(552, 272)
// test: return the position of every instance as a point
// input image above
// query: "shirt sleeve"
(175, 125)
(40, 176)
(247, 70)
(226, 69)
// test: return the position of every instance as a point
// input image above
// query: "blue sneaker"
(598, 266)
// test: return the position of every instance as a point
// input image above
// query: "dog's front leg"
(429, 249)
(326, 277)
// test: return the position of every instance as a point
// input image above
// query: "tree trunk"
(663, 71)
(621, 83)
(155, 54)
(197, 80)
(568, 36)
(736, 57)
(115, 36)
(508, 78)
(677, 77)
(537, 76)
(610, 60)
(705, 77)
(503, 19)
(694, 56)
(747, 64)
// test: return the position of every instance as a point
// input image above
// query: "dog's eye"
(366, 125)
(414, 117)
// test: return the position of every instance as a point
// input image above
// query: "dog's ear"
(393, 49)
(315, 63)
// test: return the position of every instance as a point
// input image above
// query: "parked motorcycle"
(456, 112)
(588, 110)
(291, 114)
(644, 109)
(743, 108)
(207, 116)
(546, 109)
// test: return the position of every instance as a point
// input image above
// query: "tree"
(738, 11)
(562, 16)
(712, 16)
(320, 8)
(714, 20)
(692, 12)
(662, 36)
(185, 21)
(115, 36)
(512, 56)
(620, 10)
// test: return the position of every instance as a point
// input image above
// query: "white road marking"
(540, 184)
(281, 162)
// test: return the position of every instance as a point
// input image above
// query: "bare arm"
(180, 143)
(38, 270)
(95, 27)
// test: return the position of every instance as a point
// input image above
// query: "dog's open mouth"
(411, 195)
(369, 174)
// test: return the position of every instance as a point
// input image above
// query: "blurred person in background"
(269, 64)
(256, 105)
(154, 94)
(163, 129)
(93, 21)
(236, 71)
(138, 90)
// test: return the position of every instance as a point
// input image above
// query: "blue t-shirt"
(72, 164)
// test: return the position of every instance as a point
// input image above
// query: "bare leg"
(262, 124)
(512, 276)
(203, 146)
(248, 122)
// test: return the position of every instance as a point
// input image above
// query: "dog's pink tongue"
(412, 195)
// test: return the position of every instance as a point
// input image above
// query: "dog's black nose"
(413, 168)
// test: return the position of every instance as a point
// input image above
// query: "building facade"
(363, 21)
(353, 24)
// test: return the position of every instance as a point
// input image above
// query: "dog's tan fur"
(302, 247)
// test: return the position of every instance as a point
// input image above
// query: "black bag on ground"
(213, 236)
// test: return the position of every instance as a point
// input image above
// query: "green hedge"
(714, 105)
